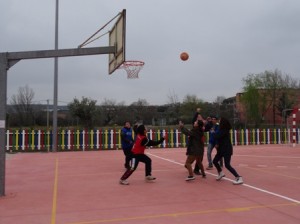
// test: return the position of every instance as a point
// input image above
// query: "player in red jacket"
(138, 155)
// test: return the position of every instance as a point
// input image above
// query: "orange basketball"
(184, 56)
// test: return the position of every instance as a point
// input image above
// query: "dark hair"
(140, 129)
(225, 124)
(200, 123)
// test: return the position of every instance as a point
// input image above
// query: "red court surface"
(83, 188)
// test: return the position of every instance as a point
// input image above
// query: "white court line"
(280, 157)
(246, 185)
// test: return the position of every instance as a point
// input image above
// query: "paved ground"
(82, 188)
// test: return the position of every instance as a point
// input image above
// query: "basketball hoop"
(132, 68)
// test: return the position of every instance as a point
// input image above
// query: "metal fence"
(104, 139)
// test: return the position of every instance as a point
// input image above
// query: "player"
(195, 148)
(213, 129)
(127, 142)
(225, 150)
(138, 155)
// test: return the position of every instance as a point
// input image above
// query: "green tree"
(284, 106)
(188, 107)
(252, 101)
(85, 110)
(263, 91)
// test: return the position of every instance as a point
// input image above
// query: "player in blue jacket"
(127, 143)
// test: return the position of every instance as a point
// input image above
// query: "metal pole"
(285, 117)
(54, 137)
(47, 115)
(3, 93)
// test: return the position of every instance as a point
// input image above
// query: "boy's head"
(214, 119)
(127, 124)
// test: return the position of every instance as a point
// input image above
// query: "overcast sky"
(226, 40)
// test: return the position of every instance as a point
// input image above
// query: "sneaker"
(197, 172)
(124, 182)
(209, 167)
(190, 178)
(203, 175)
(220, 176)
(238, 180)
(150, 177)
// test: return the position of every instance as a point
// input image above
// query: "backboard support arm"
(9, 59)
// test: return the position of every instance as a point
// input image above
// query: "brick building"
(269, 117)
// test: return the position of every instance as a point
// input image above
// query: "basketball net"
(132, 68)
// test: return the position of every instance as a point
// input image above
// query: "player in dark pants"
(225, 150)
(127, 143)
(207, 126)
(138, 155)
(136, 159)
(195, 148)
(211, 127)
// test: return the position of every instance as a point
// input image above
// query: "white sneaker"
(238, 180)
(190, 178)
(150, 177)
(124, 182)
(221, 175)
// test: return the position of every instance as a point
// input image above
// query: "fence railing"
(103, 139)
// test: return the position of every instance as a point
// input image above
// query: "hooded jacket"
(195, 142)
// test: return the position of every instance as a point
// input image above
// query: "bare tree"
(140, 102)
(22, 106)
(172, 98)
(141, 111)
(219, 100)
(188, 107)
